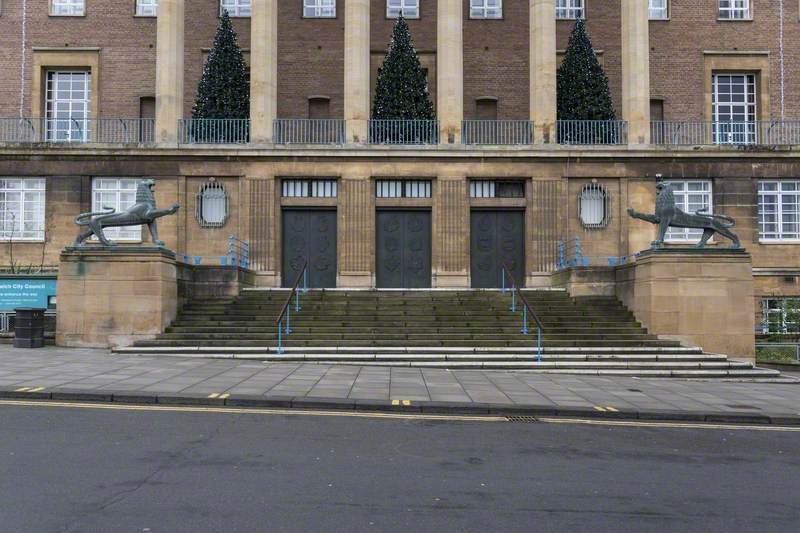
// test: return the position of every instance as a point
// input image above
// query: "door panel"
(309, 235)
(496, 238)
(403, 251)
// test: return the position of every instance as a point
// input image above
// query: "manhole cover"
(522, 419)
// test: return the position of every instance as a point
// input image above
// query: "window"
(780, 315)
(212, 205)
(22, 209)
(734, 106)
(593, 205)
(409, 9)
(486, 9)
(569, 9)
(67, 106)
(299, 188)
(486, 108)
(67, 8)
(659, 9)
(402, 189)
(496, 189)
(319, 8)
(146, 8)
(120, 194)
(779, 210)
(734, 9)
(319, 107)
(691, 196)
(235, 8)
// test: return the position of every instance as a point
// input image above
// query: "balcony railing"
(309, 131)
(78, 130)
(585, 132)
(213, 131)
(687, 133)
(497, 132)
(403, 131)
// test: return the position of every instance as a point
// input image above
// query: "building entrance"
(309, 234)
(496, 238)
(403, 249)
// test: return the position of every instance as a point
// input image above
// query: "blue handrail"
(527, 310)
(286, 311)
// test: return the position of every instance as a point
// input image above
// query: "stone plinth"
(700, 297)
(114, 297)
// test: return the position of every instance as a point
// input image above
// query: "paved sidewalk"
(71, 374)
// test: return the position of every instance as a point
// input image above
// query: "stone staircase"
(449, 329)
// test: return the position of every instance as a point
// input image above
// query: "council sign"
(25, 292)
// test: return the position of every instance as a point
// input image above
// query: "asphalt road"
(91, 470)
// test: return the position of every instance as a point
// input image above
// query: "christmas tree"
(583, 92)
(401, 91)
(224, 88)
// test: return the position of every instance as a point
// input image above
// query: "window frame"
(485, 9)
(783, 312)
(749, 105)
(67, 4)
(52, 106)
(402, 7)
(687, 235)
(309, 187)
(31, 191)
(120, 234)
(414, 189)
(494, 188)
(316, 5)
(216, 192)
(665, 10)
(596, 192)
(236, 14)
(138, 9)
(572, 10)
(747, 11)
(779, 213)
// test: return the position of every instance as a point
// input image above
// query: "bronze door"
(403, 249)
(496, 238)
(309, 234)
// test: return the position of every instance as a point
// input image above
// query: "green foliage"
(224, 88)
(583, 92)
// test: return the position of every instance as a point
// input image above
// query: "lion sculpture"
(142, 212)
(668, 214)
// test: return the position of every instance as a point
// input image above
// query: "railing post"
(503, 282)
(297, 301)
(288, 319)
(524, 320)
(305, 280)
(513, 301)
(539, 344)
(280, 343)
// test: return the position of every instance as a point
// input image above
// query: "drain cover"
(739, 406)
(634, 390)
(522, 419)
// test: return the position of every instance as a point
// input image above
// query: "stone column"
(356, 69)
(356, 228)
(451, 233)
(450, 70)
(636, 70)
(543, 69)
(169, 70)
(263, 69)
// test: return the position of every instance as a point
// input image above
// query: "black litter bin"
(29, 328)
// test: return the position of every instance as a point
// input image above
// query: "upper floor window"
(402, 189)
(692, 197)
(22, 209)
(235, 8)
(119, 194)
(486, 9)
(779, 210)
(146, 8)
(319, 8)
(734, 9)
(733, 102)
(309, 188)
(569, 9)
(67, 105)
(659, 9)
(593, 205)
(67, 8)
(408, 8)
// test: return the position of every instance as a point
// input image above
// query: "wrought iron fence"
(309, 131)
(497, 132)
(586, 132)
(78, 130)
(688, 133)
(213, 131)
(403, 131)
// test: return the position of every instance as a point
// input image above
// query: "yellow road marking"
(37, 389)
(245, 411)
(666, 424)
(406, 402)
(224, 396)
(213, 395)
(612, 409)
(598, 408)
(395, 402)
(22, 389)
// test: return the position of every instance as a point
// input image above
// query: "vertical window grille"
(594, 206)
(780, 315)
(212, 205)
(659, 9)
(319, 8)
(147, 8)
(67, 8)
(22, 203)
(235, 8)
(496, 189)
(569, 9)
(402, 189)
(67, 106)
(734, 106)
(409, 9)
(300, 188)
(734, 9)
(119, 194)
(779, 210)
(481, 189)
(486, 9)
(691, 197)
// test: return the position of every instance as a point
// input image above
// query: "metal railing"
(518, 132)
(570, 255)
(794, 345)
(527, 310)
(587, 132)
(309, 131)
(213, 131)
(688, 133)
(403, 131)
(238, 252)
(285, 315)
(74, 130)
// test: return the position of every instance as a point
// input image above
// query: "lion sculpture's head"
(144, 192)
